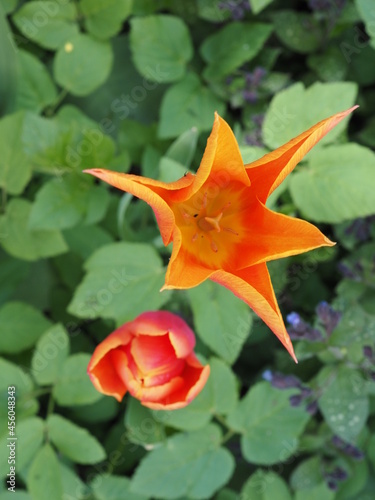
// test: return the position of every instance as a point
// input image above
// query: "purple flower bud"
(294, 319)
(295, 400)
(368, 352)
(312, 407)
(332, 485)
(250, 96)
(328, 316)
(339, 474)
(280, 381)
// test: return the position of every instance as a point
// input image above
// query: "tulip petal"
(161, 322)
(183, 270)
(253, 286)
(269, 171)
(106, 379)
(195, 377)
(270, 235)
(221, 156)
(155, 193)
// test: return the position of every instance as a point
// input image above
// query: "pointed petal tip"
(328, 242)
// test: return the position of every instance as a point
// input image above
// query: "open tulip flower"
(152, 358)
(218, 221)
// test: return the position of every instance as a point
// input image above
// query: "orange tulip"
(218, 221)
(151, 357)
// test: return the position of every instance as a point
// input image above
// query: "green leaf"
(44, 477)
(62, 203)
(219, 396)
(73, 386)
(298, 31)
(232, 46)
(48, 358)
(183, 148)
(343, 176)
(307, 474)
(222, 321)
(35, 88)
(319, 492)
(8, 5)
(259, 5)
(73, 68)
(74, 442)
(367, 12)
(15, 169)
(107, 487)
(30, 433)
(142, 427)
(295, 109)
(122, 280)
(185, 105)
(263, 485)
(13, 375)
(161, 47)
(270, 426)
(84, 240)
(344, 402)
(170, 170)
(191, 464)
(74, 488)
(50, 24)
(12, 273)
(330, 65)
(104, 18)
(101, 411)
(21, 242)
(20, 327)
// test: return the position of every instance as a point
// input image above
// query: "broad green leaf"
(18, 495)
(170, 170)
(35, 88)
(232, 46)
(48, 358)
(299, 31)
(185, 105)
(73, 66)
(270, 426)
(84, 240)
(218, 397)
(295, 109)
(101, 411)
(12, 273)
(104, 18)
(264, 485)
(319, 492)
(122, 280)
(21, 242)
(8, 61)
(108, 487)
(191, 464)
(330, 65)
(258, 5)
(8, 5)
(161, 47)
(143, 428)
(222, 321)
(13, 375)
(211, 10)
(367, 13)
(74, 442)
(344, 402)
(50, 24)
(73, 386)
(74, 488)
(307, 474)
(62, 203)
(337, 185)
(183, 148)
(30, 433)
(44, 477)
(15, 169)
(20, 327)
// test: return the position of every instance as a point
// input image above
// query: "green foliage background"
(133, 85)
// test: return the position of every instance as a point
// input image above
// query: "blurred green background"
(132, 86)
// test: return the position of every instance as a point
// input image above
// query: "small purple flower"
(349, 449)
(328, 316)
(295, 400)
(368, 352)
(312, 407)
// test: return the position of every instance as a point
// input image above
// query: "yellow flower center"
(210, 224)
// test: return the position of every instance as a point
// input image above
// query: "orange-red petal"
(155, 193)
(269, 171)
(253, 286)
(270, 235)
